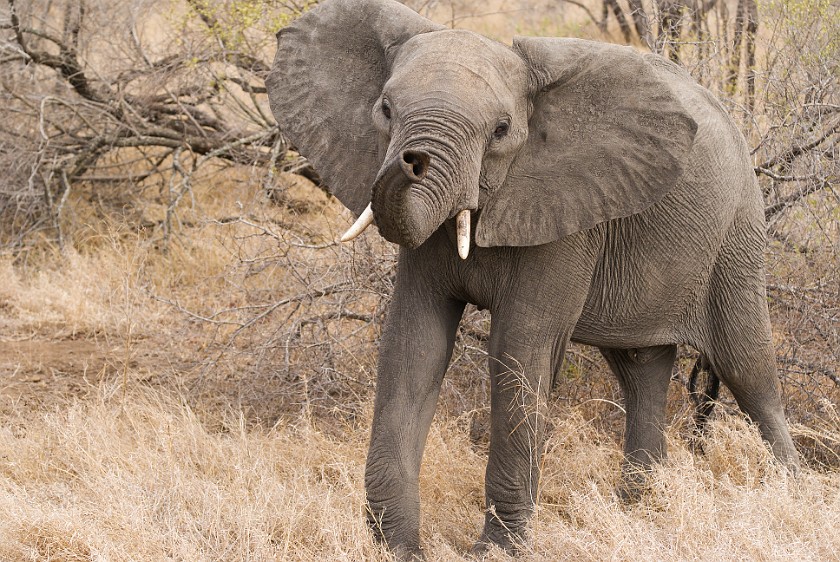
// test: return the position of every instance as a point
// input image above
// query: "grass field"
(122, 441)
(139, 476)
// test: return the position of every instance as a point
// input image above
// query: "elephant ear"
(607, 138)
(329, 70)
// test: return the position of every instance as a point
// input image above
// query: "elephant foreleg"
(416, 346)
(528, 336)
(520, 385)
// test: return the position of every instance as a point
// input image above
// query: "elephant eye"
(501, 130)
(386, 109)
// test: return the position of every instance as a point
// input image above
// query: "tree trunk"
(620, 17)
(746, 23)
(641, 22)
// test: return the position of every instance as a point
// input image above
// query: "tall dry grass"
(140, 476)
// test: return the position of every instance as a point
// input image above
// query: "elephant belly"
(650, 286)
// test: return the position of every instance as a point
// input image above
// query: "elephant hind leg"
(739, 345)
(644, 375)
(751, 376)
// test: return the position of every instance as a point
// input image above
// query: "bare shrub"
(114, 99)
(796, 130)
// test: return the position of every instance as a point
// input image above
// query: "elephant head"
(411, 124)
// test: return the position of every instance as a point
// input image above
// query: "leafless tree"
(89, 100)
(746, 27)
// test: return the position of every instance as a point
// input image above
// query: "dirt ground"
(38, 371)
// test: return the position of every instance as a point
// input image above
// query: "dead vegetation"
(188, 357)
(140, 475)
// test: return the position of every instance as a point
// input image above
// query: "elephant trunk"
(420, 187)
(406, 211)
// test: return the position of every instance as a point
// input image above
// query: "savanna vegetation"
(187, 356)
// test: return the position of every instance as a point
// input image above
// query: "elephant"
(579, 191)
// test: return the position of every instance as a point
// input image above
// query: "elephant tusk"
(463, 225)
(364, 221)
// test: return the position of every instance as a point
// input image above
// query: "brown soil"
(38, 373)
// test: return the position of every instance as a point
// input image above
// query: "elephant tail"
(704, 399)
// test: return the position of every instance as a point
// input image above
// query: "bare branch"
(776, 208)
(777, 177)
(587, 11)
(814, 368)
(795, 151)
(66, 62)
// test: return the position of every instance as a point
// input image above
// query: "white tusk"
(364, 221)
(463, 224)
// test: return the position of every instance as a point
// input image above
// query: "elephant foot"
(509, 537)
(629, 494)
(408, 554)
(402, 552)
(400, 532)
(792, 467)
(482, 547)
(480, 550)
(788, 457)
(634, 483)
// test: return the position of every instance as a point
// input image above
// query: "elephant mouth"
(462, 225)
(410, 202)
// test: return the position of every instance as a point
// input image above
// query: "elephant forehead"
(459, 63)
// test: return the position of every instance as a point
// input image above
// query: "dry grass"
(139, 476)
(174, 440)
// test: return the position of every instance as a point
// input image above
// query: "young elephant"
(577, 190)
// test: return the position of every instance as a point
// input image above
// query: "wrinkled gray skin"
(614, 204)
